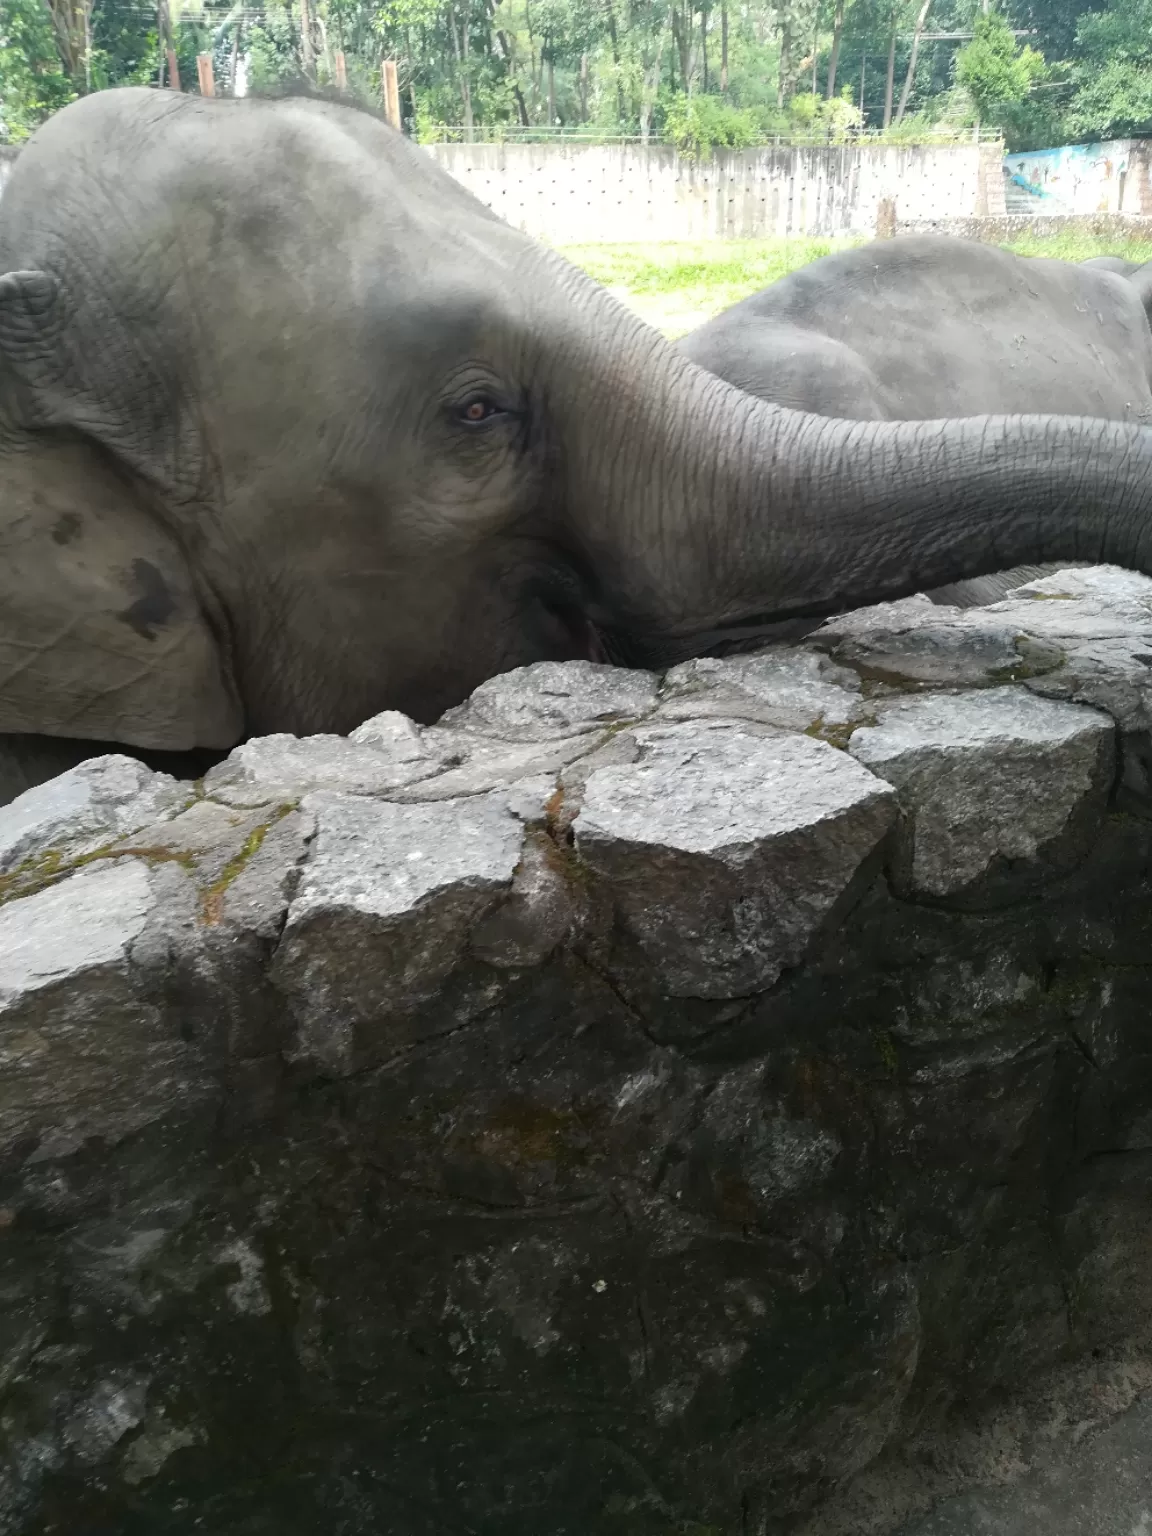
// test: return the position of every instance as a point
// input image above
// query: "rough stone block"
(796, 689)
(983, 776)
(551, 699)
(725, 850)
(82, 1053)
(276, 768)
(596, 1139)
(100, 800)
(383, 913)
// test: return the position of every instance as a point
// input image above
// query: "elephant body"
(927, 326)
(294, 430)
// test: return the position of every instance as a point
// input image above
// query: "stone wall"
(583, 193)
(632, 1105)
(1108, 228)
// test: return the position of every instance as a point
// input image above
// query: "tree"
(994, 70)
(1113, 73)
(33, 82)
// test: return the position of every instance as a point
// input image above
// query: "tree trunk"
(890, 79)
(785, 62)
(583, 87)
(236, 55)
(837, 29)
(533, 78)
(551, 88)
(460, 48)
(411, 76)
(683, 41)
(723, 47)
(907, 91)
(815, 46)
(306, 61)
(704, 50)
(614, 39)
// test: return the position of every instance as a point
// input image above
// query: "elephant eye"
(477, 410)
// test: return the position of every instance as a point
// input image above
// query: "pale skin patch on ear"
(101, 633)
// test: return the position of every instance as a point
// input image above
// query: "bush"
(698, 125)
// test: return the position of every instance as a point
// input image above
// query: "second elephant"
(927, 326)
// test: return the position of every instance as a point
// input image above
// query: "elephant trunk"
(712, 516)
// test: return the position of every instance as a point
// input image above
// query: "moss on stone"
(51, 866)
(886, 1049)
(838, 734)
(212, 897)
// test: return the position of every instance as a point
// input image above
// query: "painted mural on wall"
(1077, 178)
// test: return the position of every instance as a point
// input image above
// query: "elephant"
(1117, 264)
(927, 326)
(294, 430)
(1138, 274)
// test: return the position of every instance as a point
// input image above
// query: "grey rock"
(82, 1053)
(796, 689)
(940, 647)
(724, 850)
(96, 802)
(551, 699)
(269, 769)
(476, 765)
(383, 913)
(1126, 593)
(1101, 1487)
(97, 1424)
(542, 910)
(392, 733)
(566, 1123)
(983, 776)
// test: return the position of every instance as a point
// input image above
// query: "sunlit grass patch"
(678, 285)
(1075, 246)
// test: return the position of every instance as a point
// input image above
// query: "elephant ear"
(102, 635)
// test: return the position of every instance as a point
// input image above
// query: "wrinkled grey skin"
(240, 344)
(1112, 264)
(925, 326)
(1139, 274)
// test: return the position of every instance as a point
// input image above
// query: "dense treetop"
(698, 72)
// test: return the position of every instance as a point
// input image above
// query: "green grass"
(677, 286)
(1078, 247)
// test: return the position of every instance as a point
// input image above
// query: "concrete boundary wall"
(1105, 226)
(586, 193)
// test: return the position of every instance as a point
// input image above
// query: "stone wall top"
(707, 989)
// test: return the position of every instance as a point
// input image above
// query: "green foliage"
(1113, 74)
(706, 74)
(994, 70)
(32, 79)
(273, 51)
(697, 125)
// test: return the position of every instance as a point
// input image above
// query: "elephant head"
(292, 430)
